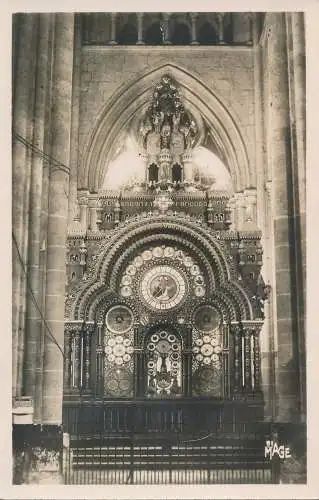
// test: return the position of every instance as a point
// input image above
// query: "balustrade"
(93, 29)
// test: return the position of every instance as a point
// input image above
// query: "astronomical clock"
(165, 298)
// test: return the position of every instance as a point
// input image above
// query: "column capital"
(73, 326)
(236, 328)
(252, 327)
(89, 328)
(92, 200)
(83, 197)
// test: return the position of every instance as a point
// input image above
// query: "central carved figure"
(163, 288)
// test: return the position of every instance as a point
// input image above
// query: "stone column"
(83, 199)
(256, 359)
(99, 361)
(33, 319)
(279, 149)
(247, 360)
(113, 29)
(140, 40)
(88, 333)
(93, 212)
(187, 358)
(240, 208)
(220, 19)
(117, 212)
(270, 338)
(68, 357)
(139, 377)
(193, 16)
(76, 358)
(237, 380)
(22, 87)
(76, 91)
(250, 32)
(187, 168)
(57, 218)
(250, 207)
(297, 70)
(166, 36)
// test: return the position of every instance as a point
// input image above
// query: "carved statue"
(165, 172)
(153, 143)
(176, 121)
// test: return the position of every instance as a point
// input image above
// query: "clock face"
(119, 319)
(207, 318)
(163, 287)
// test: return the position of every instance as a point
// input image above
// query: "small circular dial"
(207, 318)
(119, 319)
(207, 349)
(163, 287)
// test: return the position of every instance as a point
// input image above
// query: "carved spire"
(167, 130)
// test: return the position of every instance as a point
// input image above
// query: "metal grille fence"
(133, 445)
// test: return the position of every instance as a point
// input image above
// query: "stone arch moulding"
(133, 98)
(126, 235)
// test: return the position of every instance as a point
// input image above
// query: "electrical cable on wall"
(41, 153)
(34, 300)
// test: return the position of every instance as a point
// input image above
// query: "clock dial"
(207, 318)
(207, 349)
(163, 287)
(119, 319)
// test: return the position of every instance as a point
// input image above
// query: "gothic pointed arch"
(132, 99)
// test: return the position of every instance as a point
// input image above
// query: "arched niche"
(132, 99)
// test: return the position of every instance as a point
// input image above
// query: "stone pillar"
(220, 19)
(139, 388)
(240, 209)
(166, 30)
(140, 40)
(76, 358)
(68, 357)
(270, 310)
(83, 199)
(237, 343)
(33, 319)
(297, 72)
(93, 212)
(250, 208)
(113, 29)
(247, 360)
(250, 29)
(280, 162)
(256, 359)
(117, 212)
(187, 168)
(193, 16)
(76, 91)
(99, 361)
(87, 344)
(22, 88)
(57, 218)
(187, 359)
